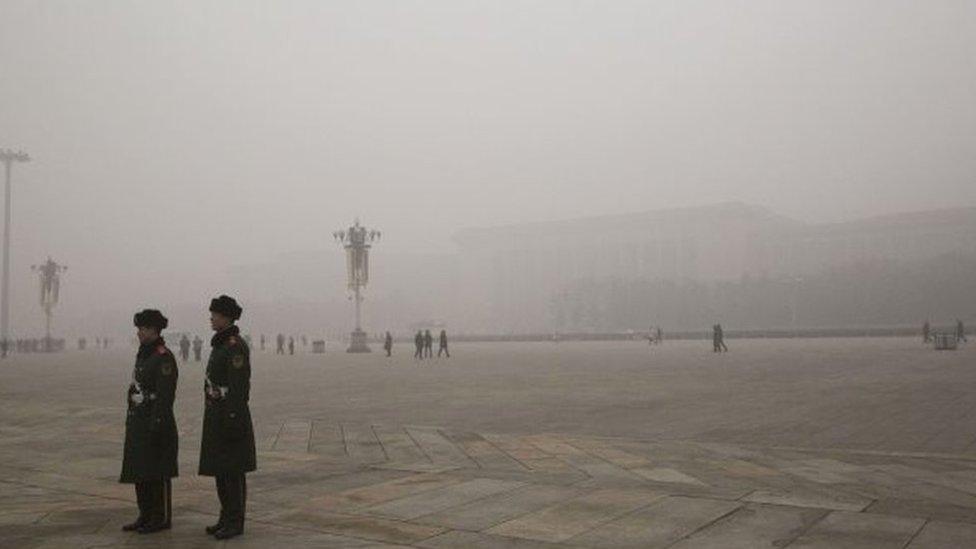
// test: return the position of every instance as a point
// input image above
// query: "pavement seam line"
(274, 445)
(345, 445)
(925, 522)
(707, 524)
(460, 447)
(386, 455)
(417, 444)
(499, 448)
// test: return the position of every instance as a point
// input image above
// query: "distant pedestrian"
(291, 345)
(280, 350)
(718, 339)
(197, 348)
(442, 348)
(926, 332)
(428, 344)
(960, 330)
(418, 341)
(388, 344)
(184, 348)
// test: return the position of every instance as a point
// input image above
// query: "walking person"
(184, 348)
(720, 339)
(280, 349)
(149, 455)
(388, 344)
(418, 341)
(197, 348)
(291, 345)
(960, 330)
(442, 347)
(227, 450)
(428, 344)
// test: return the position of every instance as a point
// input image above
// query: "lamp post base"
(357, 342)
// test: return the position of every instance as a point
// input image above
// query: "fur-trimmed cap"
(226, 306)
(151, 318)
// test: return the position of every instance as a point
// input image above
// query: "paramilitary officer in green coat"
(227, 449)
(151, 439)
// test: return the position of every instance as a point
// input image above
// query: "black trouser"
(232, 491)
(155, 500)
(443, 349)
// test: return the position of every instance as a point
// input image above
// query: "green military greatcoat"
(227, 445)
(151, 438)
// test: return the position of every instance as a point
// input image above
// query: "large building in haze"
(510, 274)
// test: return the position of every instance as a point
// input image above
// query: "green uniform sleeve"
(162, 406)
(238, 385)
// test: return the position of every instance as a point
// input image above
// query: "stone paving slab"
(488, 511)
(944, 535)
(754, 527)
(332, 476)
(659, 525)
(565, 520)
(605, 493)
(433, 501)
(844, 530)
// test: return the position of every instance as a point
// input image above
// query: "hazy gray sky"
(229, 131)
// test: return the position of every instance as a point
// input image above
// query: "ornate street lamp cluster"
(50, 278)
(357, 240)
(8, 157)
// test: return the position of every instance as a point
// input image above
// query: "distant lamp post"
(50, 275)
(8, 157)
(797, 281)
(357, 240)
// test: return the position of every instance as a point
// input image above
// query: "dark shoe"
(211, 530)
(133, 526)
(153, 527)
(228, 532)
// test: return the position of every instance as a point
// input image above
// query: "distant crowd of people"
(424, 343)
(31, 345)
(928, 334)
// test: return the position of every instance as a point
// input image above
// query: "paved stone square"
(803, 444)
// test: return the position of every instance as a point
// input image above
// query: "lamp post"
(50, 275)
(357, 240)
(796, 287)
(8, 157)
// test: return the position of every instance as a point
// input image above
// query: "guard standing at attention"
(227, 447)
(151, 440)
